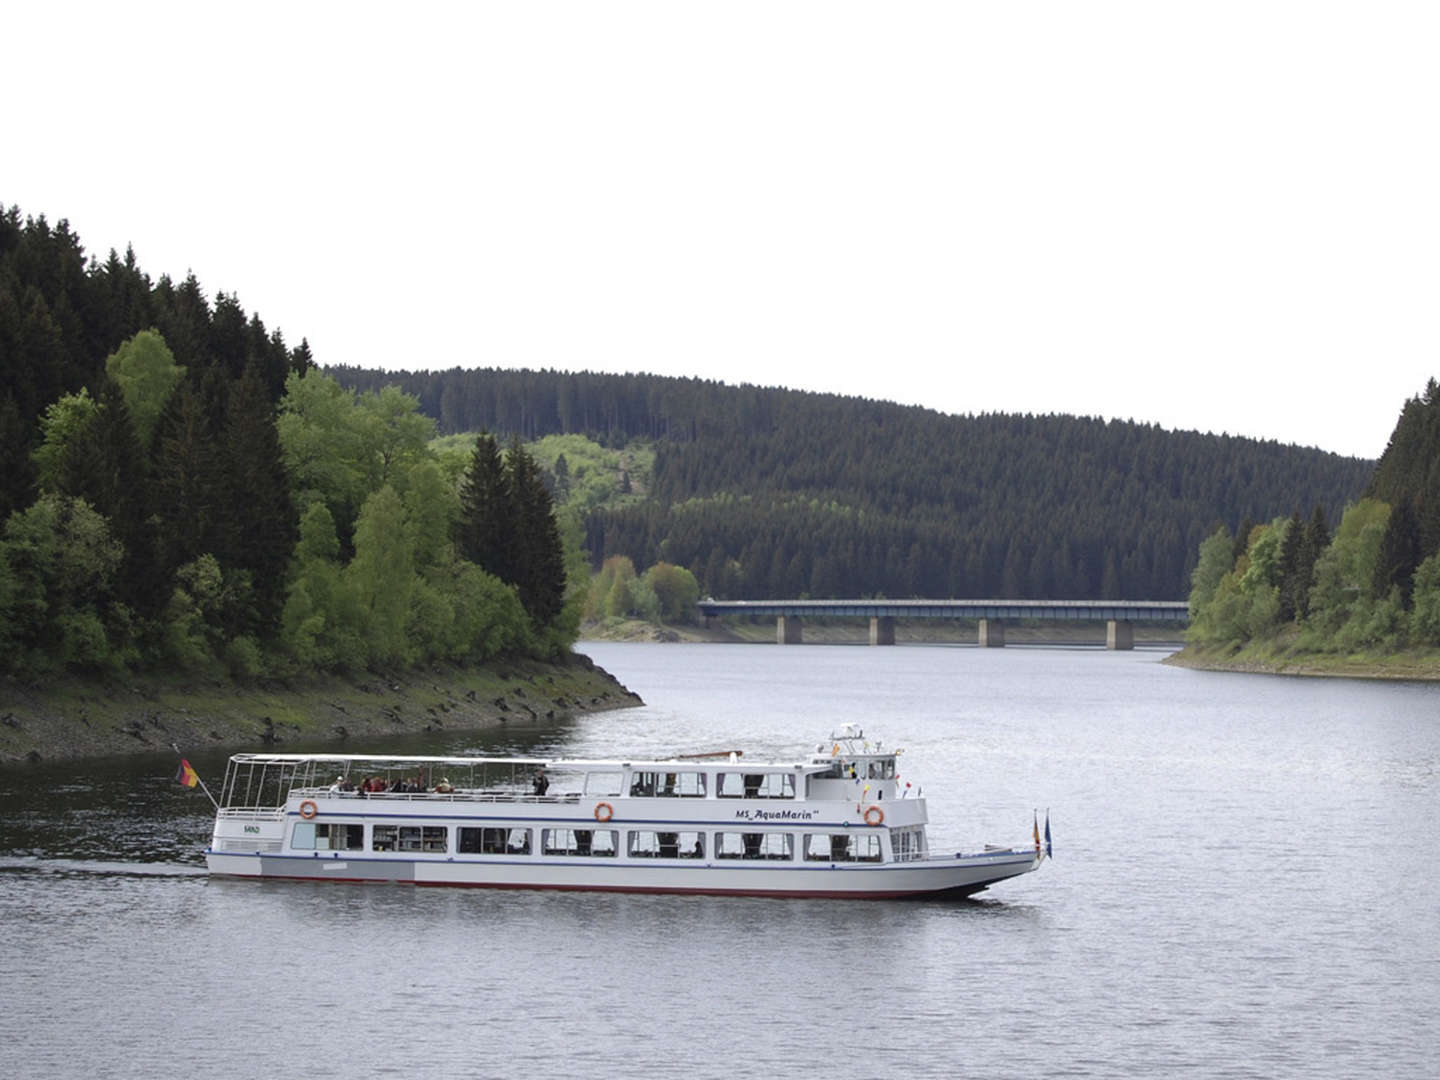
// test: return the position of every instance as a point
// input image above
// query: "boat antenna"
(198, 780)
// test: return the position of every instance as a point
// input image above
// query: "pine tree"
(1313, 545)
(487, 536)
(262, 527)
(186, 479)
(1292, 584)
(539, 555)
(1399, 554)
(562, 479)
(17, 472)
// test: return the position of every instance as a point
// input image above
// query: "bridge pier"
(882, 630)
(787, 630)
(1119, 634)
(992, 634)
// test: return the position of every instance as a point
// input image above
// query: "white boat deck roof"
(596, 764)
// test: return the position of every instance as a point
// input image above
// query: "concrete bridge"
(1119, 616)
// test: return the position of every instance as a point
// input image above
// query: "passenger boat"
(838, 823)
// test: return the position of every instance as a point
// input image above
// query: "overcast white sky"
(1213, 216)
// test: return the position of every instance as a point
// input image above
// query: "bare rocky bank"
(76, 718)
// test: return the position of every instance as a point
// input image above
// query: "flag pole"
(213, 801)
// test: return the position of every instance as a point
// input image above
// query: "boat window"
(842, 847)
(689, 785)
(493, 841)
(644, 844)
(302, 837)
(335, 837)
(735, 785)
(432, 838)
(602, 783)
(908, 844)
(771, 846)
(600, 843)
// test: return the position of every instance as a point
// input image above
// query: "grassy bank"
(83, 718)
(1283, 658)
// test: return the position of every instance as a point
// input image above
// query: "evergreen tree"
(562, 479)
(17, 472)
(1292, 583)
(1242, 538)
(1399, 555)
(187, 478)
(487, 535)
(539, 556)
(1313, 545)
(301, 359)
(261, 527)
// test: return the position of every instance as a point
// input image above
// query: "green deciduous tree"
(145, 369)
(1425, 609)
(382, 576)
(676, 590)
(1216, 560)
(323, 446)
(1344, 571)
(63, 422)
(61, 563)
(394, 435)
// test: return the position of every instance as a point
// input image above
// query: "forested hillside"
(180, 489)
(764, 492)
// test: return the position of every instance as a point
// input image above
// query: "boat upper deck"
(258, 781)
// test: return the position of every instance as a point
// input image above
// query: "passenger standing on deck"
(542, 783)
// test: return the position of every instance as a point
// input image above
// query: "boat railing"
(235, 813)
(459, 795)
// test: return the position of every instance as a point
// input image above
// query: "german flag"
(186, 775)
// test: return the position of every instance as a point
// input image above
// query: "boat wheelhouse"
(837, 823)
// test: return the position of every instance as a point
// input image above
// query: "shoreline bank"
(81, 718)
(1415, 666)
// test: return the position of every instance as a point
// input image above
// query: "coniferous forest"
(180, 488)
(779, 493)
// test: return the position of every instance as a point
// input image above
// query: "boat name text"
(776, 815)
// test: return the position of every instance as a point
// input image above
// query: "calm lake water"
(1243, 886)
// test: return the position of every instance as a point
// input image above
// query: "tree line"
(1374, 584)
(180, 488)
(767, 492)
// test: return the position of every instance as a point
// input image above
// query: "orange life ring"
(308, 809)
(877, 819)
(604, 811)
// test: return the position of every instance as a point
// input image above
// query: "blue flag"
(1048, 854)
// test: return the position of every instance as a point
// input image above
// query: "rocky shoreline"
(1407, 666)
(136, 715)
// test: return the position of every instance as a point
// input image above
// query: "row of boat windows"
(728, 785)
(607, 843)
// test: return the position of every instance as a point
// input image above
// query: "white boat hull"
(958, 876)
